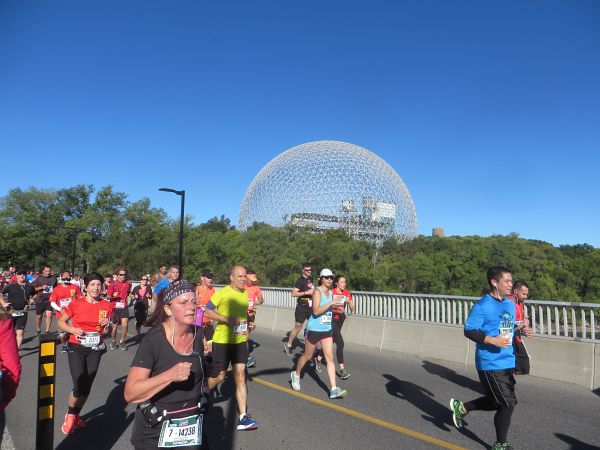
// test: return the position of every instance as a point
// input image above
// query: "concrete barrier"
(425, 340)
(563, 360)
(364, 331)
(553, 358)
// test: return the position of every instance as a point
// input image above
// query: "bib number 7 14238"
(181, 432)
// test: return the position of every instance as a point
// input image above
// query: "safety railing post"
(44, 433)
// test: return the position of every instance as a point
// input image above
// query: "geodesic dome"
(326, 185)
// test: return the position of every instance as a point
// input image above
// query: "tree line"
(101, 229)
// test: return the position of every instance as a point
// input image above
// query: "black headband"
(175, 289)
(91, 277)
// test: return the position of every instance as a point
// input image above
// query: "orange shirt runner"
(203, 296)
(87, 316)
(62, 295)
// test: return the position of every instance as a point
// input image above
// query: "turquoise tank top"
(321, 322)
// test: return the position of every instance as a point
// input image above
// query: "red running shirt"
(340, 300)
(253, 293)
(203, 296)
(87, 316)
(63, 294)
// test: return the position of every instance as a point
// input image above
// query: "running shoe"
(79, 424)
(247, 423)
(122, 346)
(287, 349)
(69, 425)
(113, 345)
(457, 409)
(338, 392)
(501, 446)
(251, 362)
(295, 380)
(64, 348)
(344, 374)
(317, 365)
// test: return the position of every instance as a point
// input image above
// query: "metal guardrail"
(571, 320)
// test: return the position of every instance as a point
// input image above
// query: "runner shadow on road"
(420, 397)
(436, 413)
(221, 421)
(112, 416)
(452, 376)
(575, 444)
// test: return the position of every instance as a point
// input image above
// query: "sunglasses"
(144, 279)
(328, 277)
(21, 273)
(122, 274)
(308, 270)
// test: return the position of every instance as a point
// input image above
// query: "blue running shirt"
(493, 317)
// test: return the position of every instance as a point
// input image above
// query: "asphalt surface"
(395, 401)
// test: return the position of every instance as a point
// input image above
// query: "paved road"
(395, 401)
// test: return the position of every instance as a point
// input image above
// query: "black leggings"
(338, 340)
(336, 326)
(500, 397)
(84, 367)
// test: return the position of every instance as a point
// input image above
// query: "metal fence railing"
(571, 320)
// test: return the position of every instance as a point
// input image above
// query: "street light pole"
(182, 195)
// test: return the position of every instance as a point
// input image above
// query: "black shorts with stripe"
(499, 386)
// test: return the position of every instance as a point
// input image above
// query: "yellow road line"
(358, 415)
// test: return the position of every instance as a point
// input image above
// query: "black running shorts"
(20, 322)
(223, 354)
(120, 313)
(40, 307)
(521, 358)
(315, 336)
(302, 312)
(499, 386)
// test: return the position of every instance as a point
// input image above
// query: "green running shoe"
(457, 409)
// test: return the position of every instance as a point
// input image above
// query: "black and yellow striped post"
(44, 433)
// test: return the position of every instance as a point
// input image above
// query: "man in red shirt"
(118, 293)
(204, 291)
(12, 275)
(520, 293)
(61, 297)
(255, 298)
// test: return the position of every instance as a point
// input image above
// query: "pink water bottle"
(199, 316)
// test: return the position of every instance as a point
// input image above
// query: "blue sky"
(489, 111)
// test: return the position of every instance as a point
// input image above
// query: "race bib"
(119, 305)
(339, 299)
(90, 339)
(240, 327)
(182, 432)
(326, 318)
(310, 303)
(47, 289)
(507, 331)
(65, 302)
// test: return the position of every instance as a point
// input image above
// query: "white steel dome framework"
(325, 185)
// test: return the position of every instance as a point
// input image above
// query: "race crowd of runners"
(196, 335)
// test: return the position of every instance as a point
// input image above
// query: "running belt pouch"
(151, 413)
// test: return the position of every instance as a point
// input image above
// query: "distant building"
(438, 231)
